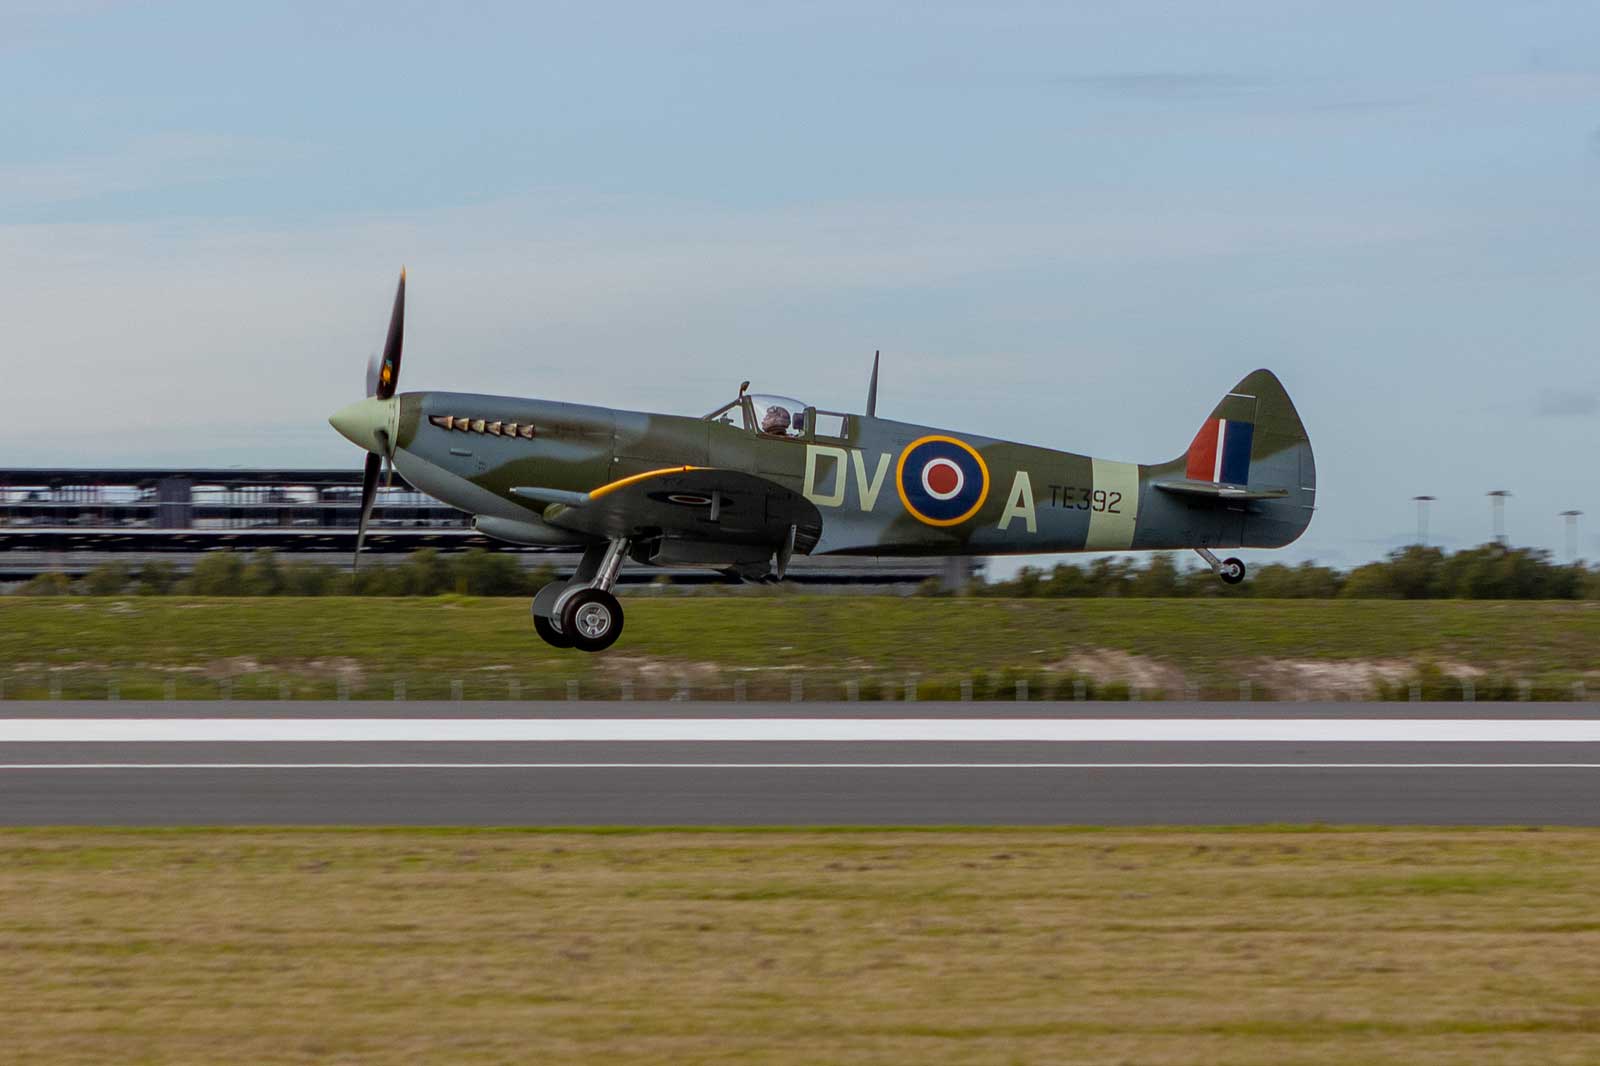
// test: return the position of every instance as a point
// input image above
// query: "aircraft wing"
(686, 503)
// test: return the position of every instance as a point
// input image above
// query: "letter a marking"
(1020, 503)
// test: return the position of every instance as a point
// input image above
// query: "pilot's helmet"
(776, 420)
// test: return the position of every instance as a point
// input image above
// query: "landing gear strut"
(581, 612)
(1230, 570)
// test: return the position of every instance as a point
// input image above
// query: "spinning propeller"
(368, 422)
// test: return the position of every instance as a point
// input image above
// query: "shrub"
(108, 580)
(157, 579)
(218, 574)
(47, 585)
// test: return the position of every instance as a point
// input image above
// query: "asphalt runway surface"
(508, 764)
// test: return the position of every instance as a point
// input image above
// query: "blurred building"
(73, 520)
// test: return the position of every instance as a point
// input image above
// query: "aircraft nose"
(361, 422)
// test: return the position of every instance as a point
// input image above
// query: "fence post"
(966, 690)
(1416, 692)
(226, 687)
(911, 688)
(1022, 690)
(1469, 691)
(738, 691)
(1080, 689)
(1525, 689)
(344, 690)
(797, 689)
(572, 690)
(627, 689)
(514, 689)
(1579, 693)
(852, 691)
(55, 686)
(399, 689)
(1244, 691)
(113, 690)
(1135, 694)
(456, 689)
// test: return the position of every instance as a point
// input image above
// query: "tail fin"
(1251, 455)
(1253, 425)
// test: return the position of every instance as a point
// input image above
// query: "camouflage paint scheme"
(698, 490)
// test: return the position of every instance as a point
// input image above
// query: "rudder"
(1247, 479)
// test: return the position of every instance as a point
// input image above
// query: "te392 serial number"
(1081, 499)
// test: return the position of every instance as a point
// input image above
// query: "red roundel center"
(943, 478)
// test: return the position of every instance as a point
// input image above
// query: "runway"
(238, 763)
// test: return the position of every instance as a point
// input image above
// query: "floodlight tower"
(1572, 534)
(1422, 517)
(1497, 506)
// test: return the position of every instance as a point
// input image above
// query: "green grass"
(1168, 947)
(311, 647)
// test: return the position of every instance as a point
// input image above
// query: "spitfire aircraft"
(744, 488)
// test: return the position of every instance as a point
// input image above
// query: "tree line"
(422, 573)
(1488, 572)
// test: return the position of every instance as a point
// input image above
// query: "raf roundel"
(942, 481)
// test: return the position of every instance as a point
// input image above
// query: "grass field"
(1287, 648)
(1037, 946)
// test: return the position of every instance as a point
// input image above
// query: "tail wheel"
(592, 619)
(1232, 571)
(549, 633)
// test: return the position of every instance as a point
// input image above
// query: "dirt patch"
(1346, 679)
(652, 671)
(1106, 666)
(238, 666)
(1283, 679)
(1323, 679)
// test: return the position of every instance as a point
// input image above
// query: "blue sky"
(1074, 225)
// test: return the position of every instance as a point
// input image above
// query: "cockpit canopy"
(776, 416)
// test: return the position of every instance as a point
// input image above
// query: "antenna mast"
(872, 388)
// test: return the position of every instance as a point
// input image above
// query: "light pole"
(1572, 534)
(1497, 505)
(1422, 518)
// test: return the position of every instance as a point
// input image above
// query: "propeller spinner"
(369, 423)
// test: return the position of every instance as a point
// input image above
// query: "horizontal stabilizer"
(1219, 492)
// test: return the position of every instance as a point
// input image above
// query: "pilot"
(776, 421)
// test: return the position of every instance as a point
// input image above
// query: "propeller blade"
(389, 368)
(369, 493)
(372, 374)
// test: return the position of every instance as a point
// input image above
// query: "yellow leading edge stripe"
(595, 494)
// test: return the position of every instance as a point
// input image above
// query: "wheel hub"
(593, 620)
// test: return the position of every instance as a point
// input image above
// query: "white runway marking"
(803, 766)
(788, 730)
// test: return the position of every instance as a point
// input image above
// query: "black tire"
(549, 633)
(1232, 571)
(593, 620)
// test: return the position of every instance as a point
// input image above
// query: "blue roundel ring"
(942, 481)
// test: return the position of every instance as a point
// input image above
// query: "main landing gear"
(1231, 571)
(581, 612)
